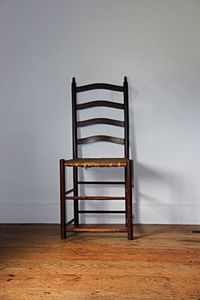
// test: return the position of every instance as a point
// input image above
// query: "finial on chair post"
(73, 80)
(125, 80)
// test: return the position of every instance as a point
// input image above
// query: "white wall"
(43, 43)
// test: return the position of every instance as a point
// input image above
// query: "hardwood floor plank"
(161, 263)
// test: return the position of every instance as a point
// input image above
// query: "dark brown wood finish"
(103, 103)
(96, 121)
(62, 199)
(76, 204)
(97, 86)
(102, 211)
(100, 138)
(75, 150)
(69, 191)
(101, 182)
(97, 229)
(126, 118)
(70, 222)
(74, 118)
(77, 142)
(128, 192)
(94, 198)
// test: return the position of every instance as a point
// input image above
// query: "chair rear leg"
(129, 179)
(62, 200)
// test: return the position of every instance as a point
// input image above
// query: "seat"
(77, 162)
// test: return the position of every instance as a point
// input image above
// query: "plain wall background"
(43, 43)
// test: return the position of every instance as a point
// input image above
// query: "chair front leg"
(62, 200)
(128, 183)
(126, 196)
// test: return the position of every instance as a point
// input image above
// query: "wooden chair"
(78, 162)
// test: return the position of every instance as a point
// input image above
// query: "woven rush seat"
(96, 162)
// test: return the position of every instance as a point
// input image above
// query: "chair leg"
(75, 186)
(126, 195)
(129, 179)
(126, 215)
(62, 200)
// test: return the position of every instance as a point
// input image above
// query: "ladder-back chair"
(78, 162)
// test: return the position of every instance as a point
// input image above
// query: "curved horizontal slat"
(100, 138)
(103, 86)
(100, 121)
(100, 103)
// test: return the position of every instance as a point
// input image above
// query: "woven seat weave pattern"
(96, 162)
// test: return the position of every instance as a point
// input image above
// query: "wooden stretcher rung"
(97, 229)
(102, 211)
(69, 191)
(70, 222)
(101, 182)
(94, 198)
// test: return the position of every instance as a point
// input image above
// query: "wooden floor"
(162, 262)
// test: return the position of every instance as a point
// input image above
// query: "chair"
(78, 162)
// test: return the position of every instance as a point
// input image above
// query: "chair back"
(76, 107)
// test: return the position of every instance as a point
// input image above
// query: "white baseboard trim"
(20, 212)
(152, 213)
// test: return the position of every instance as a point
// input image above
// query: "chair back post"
(74, 142)
(74, 118)
(126, 118)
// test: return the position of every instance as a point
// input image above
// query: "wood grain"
(161, 263)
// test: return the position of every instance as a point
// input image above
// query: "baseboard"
(154, 213)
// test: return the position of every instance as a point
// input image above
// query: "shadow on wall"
(133, 94)
(155, 188)
(164, 191)
(171, 186)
